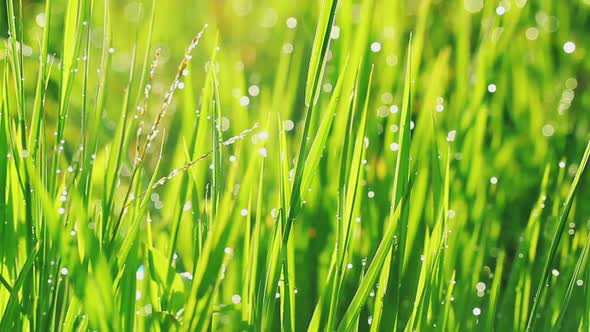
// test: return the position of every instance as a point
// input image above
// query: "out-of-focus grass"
(298, 166)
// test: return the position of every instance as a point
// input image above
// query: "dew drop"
(375, 47)
(569, 47)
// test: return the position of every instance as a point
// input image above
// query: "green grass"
(241, 165)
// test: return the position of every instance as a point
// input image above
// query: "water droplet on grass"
(254, 90)
(375, 47)
(289, 125)
(335, 32)
(569, 47)
(291, 23)
(480, 286)
(140, 273)
(40, 20)
(451, 136)
(244, 101)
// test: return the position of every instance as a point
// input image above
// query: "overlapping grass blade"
(565, 210)
(394, 268)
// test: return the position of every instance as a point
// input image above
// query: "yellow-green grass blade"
(321, 44)
(318, 145)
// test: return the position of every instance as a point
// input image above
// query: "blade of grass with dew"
(215, 140)
(40, 89)
(557, 237)
(373, 272)
(15, 60)
(343, 237)
(429, 290)
(519, 282)
(84, 156)
(447, 313)
(252, 242)
(321, 44)
(415, 321)
(314, 77)
(315, 73)
(4, 182)
(318, 145)
(10, 319)
(402, 169)
(440, 177)
(285, 294)
(75, 19)
(325, 299)
(581, 264)
(439, 280)
(274, 260)
(224, 246)
(495, 291)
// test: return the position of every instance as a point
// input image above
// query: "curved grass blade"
(321, 44)
(557, 237)
(351, 315)
(576, 274)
